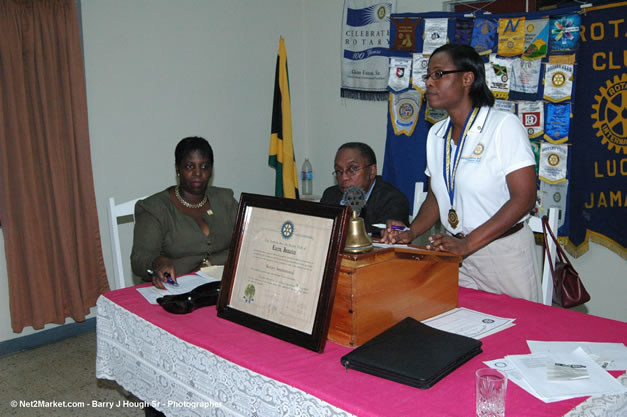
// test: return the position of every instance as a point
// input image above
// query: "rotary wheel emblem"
(610, 111)
(381, 12)
(287, 229)
(553, 159)
(558, 79)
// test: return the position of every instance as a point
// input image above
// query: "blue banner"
(598, 196)
(406, 156)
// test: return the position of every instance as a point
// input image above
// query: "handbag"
(201, 296)
(568, 290)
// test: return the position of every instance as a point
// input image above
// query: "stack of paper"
(535, 372)
(469, 323)
(186, 284)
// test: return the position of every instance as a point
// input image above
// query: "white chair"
(419, 197)
(116, 211)
(535, 223)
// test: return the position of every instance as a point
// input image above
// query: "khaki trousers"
(508, 265)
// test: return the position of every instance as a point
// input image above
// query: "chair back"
(116, 211)
(419, 197)
(535, 223)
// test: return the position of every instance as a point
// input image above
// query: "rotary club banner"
(558, 82)
(484, 35)
(463, 30)
(564, 33)
(505, 105)
(434, 34)
(498, 76)
(404, 110)
(511, 36)
(400, 72)
(531, 114)
(557, 123)
(365, 37)
(526, 75)
(434, 115)
(597, 194)
(405, 39)
(553, 159)
(419, 68)
(553, 195)
(536, 38)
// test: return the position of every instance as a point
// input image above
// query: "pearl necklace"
(185, 203)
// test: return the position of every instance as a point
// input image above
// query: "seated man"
(356, 165)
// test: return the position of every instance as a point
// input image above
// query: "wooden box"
(378, 289)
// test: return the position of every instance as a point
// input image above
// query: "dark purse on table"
(201, 296)
(568, 290)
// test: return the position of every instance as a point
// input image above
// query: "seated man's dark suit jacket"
(385, 202)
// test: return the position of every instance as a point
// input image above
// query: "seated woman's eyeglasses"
(436, 75)
(350, 171)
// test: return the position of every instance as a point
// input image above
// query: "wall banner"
(365, 38)
(598, 173)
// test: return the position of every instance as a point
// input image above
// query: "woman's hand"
(163, 269)
(444, 242)
(391, 235)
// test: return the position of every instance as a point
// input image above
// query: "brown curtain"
(47, 199)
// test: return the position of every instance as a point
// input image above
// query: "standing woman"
(186, 226)
(482, 180)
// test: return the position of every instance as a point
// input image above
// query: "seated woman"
(186, 226)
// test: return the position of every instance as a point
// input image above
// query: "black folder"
(412, 353)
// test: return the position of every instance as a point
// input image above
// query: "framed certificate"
(281, 272)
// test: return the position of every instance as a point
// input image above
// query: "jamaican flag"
(281, 146)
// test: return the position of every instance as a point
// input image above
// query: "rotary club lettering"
(610, 198)
(600, 31)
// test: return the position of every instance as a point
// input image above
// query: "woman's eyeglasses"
(436, 75)
(351, 171)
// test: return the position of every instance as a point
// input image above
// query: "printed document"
(186, 284)
(469, 323)
(610, 356)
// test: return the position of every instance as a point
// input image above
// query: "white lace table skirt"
(181, 379)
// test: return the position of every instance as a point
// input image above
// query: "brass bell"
(357, 239)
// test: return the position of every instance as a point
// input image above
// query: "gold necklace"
(185, 203)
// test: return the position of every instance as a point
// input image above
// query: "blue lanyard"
(449, 177)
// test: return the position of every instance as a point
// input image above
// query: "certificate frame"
(333, 219)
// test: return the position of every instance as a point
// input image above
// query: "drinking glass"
(491, 387)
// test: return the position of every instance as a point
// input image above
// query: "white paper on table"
(610, 356)
(469, 323)
(394, 245)
(186, 284)
(213, 272)
(533, 368)
(505, 366)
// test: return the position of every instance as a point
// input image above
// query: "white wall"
(159, 70)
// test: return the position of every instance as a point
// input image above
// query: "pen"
(383, 226)
(166, 275)
(401, 228)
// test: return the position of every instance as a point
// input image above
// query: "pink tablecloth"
(323, 376)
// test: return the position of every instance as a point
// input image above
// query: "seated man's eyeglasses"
(350, 171)
(436, 75)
